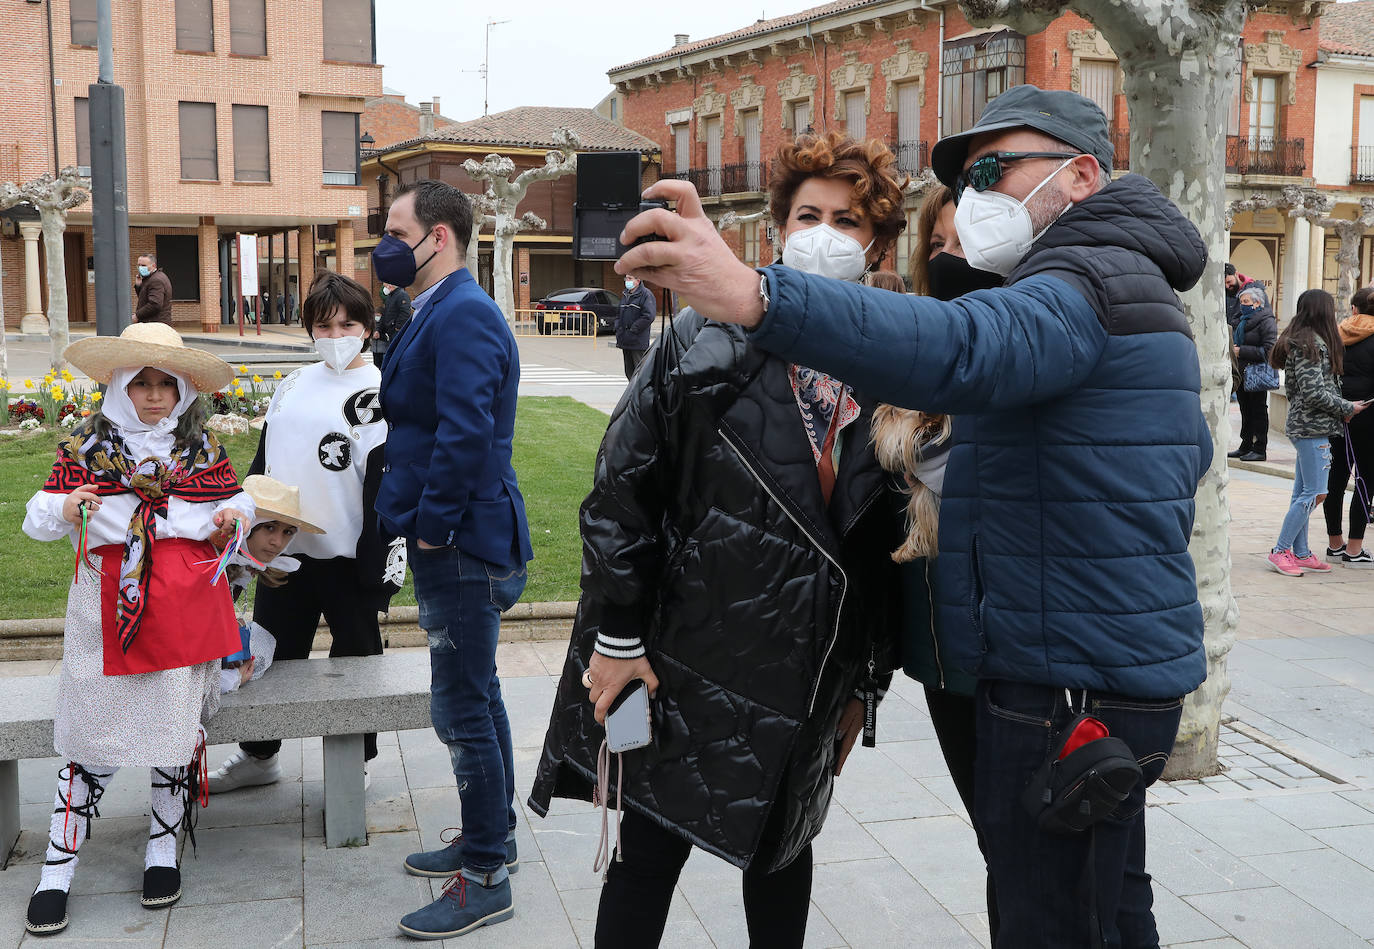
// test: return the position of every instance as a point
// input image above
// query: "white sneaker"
(242, 770)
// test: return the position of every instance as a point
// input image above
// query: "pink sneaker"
(1310, 562)
(1285, 563)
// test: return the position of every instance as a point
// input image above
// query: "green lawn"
(555, 447)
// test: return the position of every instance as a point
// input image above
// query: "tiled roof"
(757, 27)
(533, 127)
(1348, 28)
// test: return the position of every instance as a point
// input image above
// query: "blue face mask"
(393, 260)
(143, 271)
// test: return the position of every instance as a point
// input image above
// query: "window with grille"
(856, 122)
(753, 169)
(1264, 113)
(682, 153)
(349, 31)
(248, 27)
(751, 243)
(199, 142)
(713, 154)
(83, 136)
(252, 159)
(340, 134)
(1097, 81)
(195, 26)
(909, 112)
(974, 71)
(83, 22)
(906, 244)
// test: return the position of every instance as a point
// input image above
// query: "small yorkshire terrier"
(899, 436)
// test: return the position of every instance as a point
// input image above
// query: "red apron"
(185, 622)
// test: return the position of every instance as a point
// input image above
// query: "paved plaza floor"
(1276, 852)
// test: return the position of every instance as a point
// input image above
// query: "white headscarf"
(144, 440)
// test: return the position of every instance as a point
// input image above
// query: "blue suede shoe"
(462, 907)
(445, 861)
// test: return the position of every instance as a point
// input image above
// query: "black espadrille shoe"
(47, 912)
(161, 886)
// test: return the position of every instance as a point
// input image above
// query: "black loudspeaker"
(608, 189)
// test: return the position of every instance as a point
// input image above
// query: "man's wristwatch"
(763, 291)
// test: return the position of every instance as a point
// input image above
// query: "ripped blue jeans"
(461, 598)
(1309, 482)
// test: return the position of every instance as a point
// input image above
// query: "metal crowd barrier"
(555, 324)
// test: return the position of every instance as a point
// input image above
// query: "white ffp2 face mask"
(338, 351)
(995, 229)
(825, 252)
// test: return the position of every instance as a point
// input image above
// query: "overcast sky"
(550, 53)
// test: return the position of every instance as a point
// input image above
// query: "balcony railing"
(912, 157)
(375, 222)
(707, 181)
(745, 176)
(1265, 156)
(1361, 164)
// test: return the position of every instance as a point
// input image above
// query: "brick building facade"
(888, 69)
(241, 116)
(542, 261)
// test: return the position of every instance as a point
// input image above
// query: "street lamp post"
(109, 188)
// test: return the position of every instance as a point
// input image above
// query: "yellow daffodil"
(4, 385)
(56, 393)
(67, 375)
(239, 392)
(97, 396)
(257, 380)
(277, 374)
(28, 383)
(243, 369)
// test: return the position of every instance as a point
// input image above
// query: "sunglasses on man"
(988, 169)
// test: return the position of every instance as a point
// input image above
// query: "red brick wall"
(390, 120)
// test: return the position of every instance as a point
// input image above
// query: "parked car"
(575, 309)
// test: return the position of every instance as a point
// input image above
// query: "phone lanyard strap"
(603, 779)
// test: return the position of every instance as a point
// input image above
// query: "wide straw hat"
(278, 502)
(148, 344)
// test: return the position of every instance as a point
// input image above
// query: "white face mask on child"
(339, 351)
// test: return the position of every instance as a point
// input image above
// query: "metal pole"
(109, 189)
(486, 63)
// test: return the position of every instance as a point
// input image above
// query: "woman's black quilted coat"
(706, 534)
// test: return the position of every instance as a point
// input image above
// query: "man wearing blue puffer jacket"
(1078, 446)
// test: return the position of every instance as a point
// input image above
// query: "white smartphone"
(627, 723)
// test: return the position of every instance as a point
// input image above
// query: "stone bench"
(339, 699)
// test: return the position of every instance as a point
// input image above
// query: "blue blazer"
(448, 394)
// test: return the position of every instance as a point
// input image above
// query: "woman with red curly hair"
(736, 545)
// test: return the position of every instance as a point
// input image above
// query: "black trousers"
(953, 716)
(632, 357)
(292, 611)
(638, 891)
(1254, 420)
(1361, 441)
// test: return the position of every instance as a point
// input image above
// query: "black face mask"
(952, 277)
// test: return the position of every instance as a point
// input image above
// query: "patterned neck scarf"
(819, 397)
(199, 472)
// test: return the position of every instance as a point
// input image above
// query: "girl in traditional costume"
(146, 495)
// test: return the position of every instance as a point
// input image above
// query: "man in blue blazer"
(448, 394)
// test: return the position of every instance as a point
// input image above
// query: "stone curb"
(1262, 467)
(523, 622)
